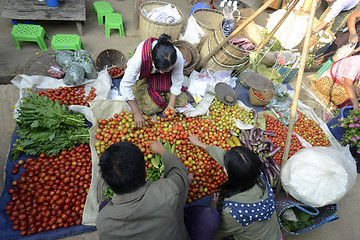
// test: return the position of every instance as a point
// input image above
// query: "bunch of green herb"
(273, 45)
(157, 169)
(310, 60)
(304, 220)
(154, 173)
(45, 126)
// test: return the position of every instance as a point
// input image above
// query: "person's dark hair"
(163, 54)
(122, 166)
(244, 168)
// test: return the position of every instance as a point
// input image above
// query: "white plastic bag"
(319, 176)
(166, 14)
(344, 51)
(292, 30)
(193, 33)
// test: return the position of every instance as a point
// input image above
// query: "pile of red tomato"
(69, 95)
(116, 72)
(208, 175)
(51, 192)
(275, 126)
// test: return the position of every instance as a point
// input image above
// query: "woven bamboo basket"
(256, 101)
(219, 64)
(229, 54)
(194, 55)
(150, 28)
(207, 19)
(110, 58)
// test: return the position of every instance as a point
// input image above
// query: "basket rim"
(107, 50)
(253, 97)
(160, 4)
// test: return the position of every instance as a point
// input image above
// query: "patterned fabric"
(157, 81)
(145, 102)
(247, 213)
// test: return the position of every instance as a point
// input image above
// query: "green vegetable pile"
(153, 173)
(304, 220)
(157, 170)
(45, 126)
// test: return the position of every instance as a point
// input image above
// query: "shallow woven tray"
(110, 58)
(40, 63)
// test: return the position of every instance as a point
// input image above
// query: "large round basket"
(229, 55)
(256, 101)
(110, 58)
(151, 28)
(208, 19)
(193, 52)
(39, 64)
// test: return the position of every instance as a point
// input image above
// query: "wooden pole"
(238, 29)
(288, 11)
(299, 81)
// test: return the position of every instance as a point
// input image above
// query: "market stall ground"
(14, 61)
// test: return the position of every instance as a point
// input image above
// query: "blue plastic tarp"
(6, 233)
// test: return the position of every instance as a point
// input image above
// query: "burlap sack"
(101, 109)
(336, 92)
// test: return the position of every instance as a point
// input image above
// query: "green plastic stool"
(114, 21)
(66, 41)
(31, 33)
(101, 9)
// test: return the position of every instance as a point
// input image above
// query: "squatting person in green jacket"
(246, 201)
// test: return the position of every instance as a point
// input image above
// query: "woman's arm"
(320, 27)
(139, 119)
(131, 74)
(353, 37)
(351, 92)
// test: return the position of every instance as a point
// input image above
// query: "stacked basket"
(190, 53)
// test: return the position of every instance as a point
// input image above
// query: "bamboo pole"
(238, 29)
(288, 11)
(299, 81)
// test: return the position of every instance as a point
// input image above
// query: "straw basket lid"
(256, 81)
(182, 45)
(110, 58)
(225, 93)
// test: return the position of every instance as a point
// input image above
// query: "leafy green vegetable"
(108, 193)
(157, 170)
(45, 126)
(304, 220)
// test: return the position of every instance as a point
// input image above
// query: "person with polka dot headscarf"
(246, 200)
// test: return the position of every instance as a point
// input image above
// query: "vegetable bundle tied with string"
(45, 126)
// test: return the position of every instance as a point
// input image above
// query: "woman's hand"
(194, 140)
(139, 120)
(157, 147)
(353, 38)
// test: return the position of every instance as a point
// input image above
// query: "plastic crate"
(337, 131)
(325, 67)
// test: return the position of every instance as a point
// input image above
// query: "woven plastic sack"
(323, 215)
(319, 176)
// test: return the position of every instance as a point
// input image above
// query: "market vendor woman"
(153, 78)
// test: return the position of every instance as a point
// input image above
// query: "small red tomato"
(15, 171)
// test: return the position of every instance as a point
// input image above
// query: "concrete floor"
(14, 61)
